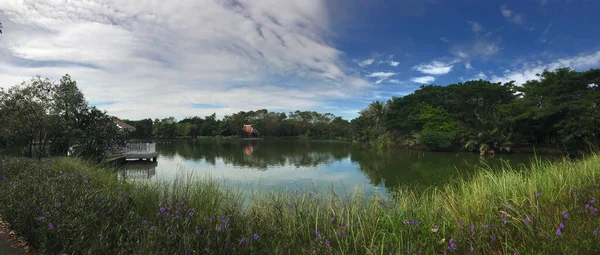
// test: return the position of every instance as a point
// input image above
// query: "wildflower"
(592, 201)
(144, 222)
(220, 227)
(317, 234)
(564, 214)
(188, 251)
(307, 211)
(434, 229)
(558, 232)
(191, 214)
(332, 219)
(256, 236)
(162, 209)
(405, 222)
(198, 231)
(46, 183)
(50, 226)
(595, 233)
(561, 225)
(506, 202)
(527, 219)
(472, 249)
(58, 204)
(153, 228)
(452, 246)
(472, 228)
(241, 241)
(327, 243)
(100, 235)
(374, 247)
(180, 202)
(86, 181)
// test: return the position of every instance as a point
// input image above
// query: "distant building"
(249, 130)
(124, 126)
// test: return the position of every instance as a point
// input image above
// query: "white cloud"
(479, 48)
(381, 76)
(514, 17)
(529, 71)
(424, 79)
(468, 65)
(156, 59)
(366, 62)
(434, 68)
(476, 27)
(394, 63)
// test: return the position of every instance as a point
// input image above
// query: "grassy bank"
(68, 206)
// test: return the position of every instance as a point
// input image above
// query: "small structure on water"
(141, 151)
(250, 131)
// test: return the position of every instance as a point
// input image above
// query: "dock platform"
(141, 151)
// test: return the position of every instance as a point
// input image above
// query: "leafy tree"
(439, 129)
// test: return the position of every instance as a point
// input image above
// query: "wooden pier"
(141, 151)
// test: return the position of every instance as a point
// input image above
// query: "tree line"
(560, 109)
(269, 124)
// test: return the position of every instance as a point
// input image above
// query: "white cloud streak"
(434, 68)
(156, 59)
(424, 79)
(366, 62)
(528, 71)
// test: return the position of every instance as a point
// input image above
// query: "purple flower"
(472, 228)
(405, 222)
(564, 214)
(241, 241)
(527, 219)
(374, 247)
(220, 227)
(472, 249)
(592, 201)
(58, 204)
(256, 236)
(144, 222)
(188, 251)
(180, 202)
(558, 232)
(327, 244)
(86, 181)
(595, 233)
(317, 234)
(435, 227)
(41, 218)
(198, 231)
(191, 214)
(332, 219)
(506, 202)
(50, 226)
(307, 211)
(162, 209)
(561, 225)
(153, 228)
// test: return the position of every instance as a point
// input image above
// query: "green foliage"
(438, 129)
(50, 119)
(92, 212)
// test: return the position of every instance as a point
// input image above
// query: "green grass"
(92, 212)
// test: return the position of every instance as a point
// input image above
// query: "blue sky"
(143, 58)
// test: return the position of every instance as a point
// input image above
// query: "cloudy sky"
(151, 58)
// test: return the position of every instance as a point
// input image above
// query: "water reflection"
(290, 162)
(138, 170)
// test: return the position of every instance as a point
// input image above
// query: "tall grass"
(68, 206)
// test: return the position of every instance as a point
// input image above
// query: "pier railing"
(141, 147)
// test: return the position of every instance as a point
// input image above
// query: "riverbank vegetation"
(559, 112)
(68, 206)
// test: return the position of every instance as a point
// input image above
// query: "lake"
(300, 164)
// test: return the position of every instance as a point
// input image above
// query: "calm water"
(298, 164)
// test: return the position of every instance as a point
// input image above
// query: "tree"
(100, 134)
(439, 129)
(69, 105)
(25, 115)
